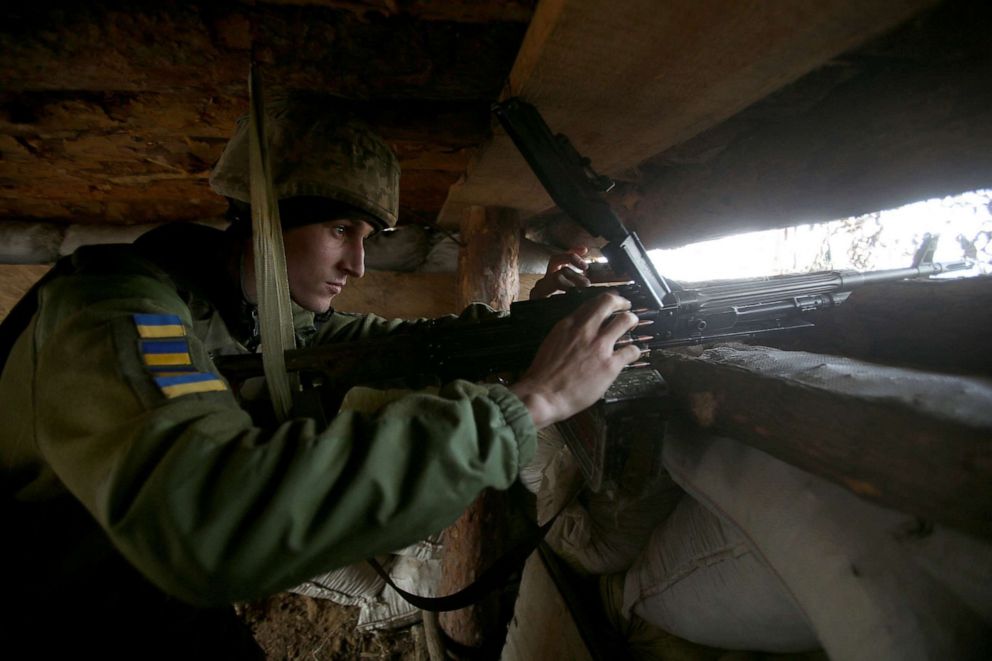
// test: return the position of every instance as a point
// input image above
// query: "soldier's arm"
(213, 509)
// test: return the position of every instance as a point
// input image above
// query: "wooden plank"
(916, 441)
(628, 80)
(115, 114)
(938, 325)
(15, 280)
(462, 11)
(137, 157)
(859, 151)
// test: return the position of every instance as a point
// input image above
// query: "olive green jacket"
(110, 394)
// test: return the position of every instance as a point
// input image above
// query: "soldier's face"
(321, 257)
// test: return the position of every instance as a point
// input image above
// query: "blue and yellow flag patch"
(165, 353)
(187, 384)
(152, 326)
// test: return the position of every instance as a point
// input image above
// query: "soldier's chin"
(316, 304)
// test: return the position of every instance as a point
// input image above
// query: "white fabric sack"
(871, 583)
(401, 249)
(442, 256)
(426, 549)
(605, 532)
(416, 569)
(600, 533)
(534, 257)
(552, 475)
(391, 611)
(643, 640)
(354, 585)
(698, 579)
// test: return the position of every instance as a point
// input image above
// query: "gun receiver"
(724, 310)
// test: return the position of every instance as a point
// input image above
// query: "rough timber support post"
(487, 273)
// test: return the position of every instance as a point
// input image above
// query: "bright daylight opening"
(881, 240)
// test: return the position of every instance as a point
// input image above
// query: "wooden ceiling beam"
(626, 81)
(145, 156)
(459, 11)
(207, 46)
(929, 135)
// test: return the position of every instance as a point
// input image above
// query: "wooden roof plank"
(625, 81)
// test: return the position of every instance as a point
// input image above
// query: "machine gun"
(671, 315)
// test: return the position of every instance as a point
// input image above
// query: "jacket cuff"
(518, 418)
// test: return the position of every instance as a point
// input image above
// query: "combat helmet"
(319, 153)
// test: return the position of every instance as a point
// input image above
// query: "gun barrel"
(760, 290)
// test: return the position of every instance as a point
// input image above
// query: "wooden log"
(937, 325)
(487, 273)
(487, 263)
(916, 441)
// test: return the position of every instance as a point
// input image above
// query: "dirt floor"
(291, 626)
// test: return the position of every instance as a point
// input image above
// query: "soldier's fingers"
(570, 278)
(575, 259)
(556, 262)
(621, 323)
(628, 354)
(594, 312)
(570, 258)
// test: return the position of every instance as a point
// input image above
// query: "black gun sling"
(490, 579)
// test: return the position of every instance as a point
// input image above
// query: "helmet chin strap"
(271, 279)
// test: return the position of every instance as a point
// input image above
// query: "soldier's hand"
(577, 361)
(565, 271)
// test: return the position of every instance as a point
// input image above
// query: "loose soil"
(291, 626)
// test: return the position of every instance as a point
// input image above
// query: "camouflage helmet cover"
(317, 150)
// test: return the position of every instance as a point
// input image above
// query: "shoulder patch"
(187, 384)
(168, 355)
(158, 325)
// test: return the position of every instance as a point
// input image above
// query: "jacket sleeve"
(213, 509)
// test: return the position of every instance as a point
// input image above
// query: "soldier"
(141, 497)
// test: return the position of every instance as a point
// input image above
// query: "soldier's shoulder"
(112, 259)
(101, 272)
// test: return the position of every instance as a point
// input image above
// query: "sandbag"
(698, 579)
(442, 255)
(391, 611)
(604, 532)
(865, 578)
(402, 249)
(552, 475)
(644, 641)
(425, 549)
(598, 533)
(354, 585)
